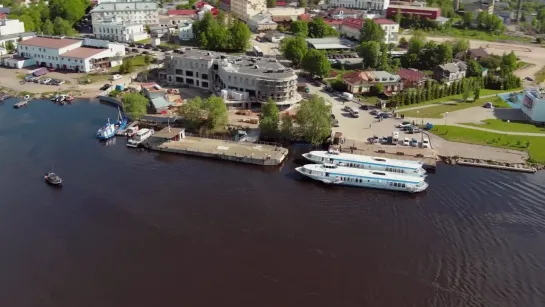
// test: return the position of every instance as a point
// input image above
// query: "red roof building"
(182, 12)
(304, 17)
(411, 78)
(423, 12)
(281, 4)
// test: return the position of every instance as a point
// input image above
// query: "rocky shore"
(519, 167)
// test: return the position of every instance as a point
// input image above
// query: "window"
(189, 73)
(204, 76)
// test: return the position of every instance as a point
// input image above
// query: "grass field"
(457, 98)
(474, 34)
(437, 111)
(534, 145)
(540, 75)
(500, 125)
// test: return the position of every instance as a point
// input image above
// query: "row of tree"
(223, 33)
(57, 17)
(313, 61)
(206, 115)
(312, 122)
(316, 28)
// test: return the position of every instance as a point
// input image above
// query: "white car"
(46, 81)
(404, 124)
(116, 77)
(425, 143)
(395, 136)
(406, 142)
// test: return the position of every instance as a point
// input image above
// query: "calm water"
(134, 228)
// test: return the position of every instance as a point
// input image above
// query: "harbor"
(175, 140)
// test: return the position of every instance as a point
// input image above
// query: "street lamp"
(446, 117)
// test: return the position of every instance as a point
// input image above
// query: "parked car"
(374, 112)
(147, 46)
(425, 143)
(403, 125)
(335, 122)
(364, 107)
(54, 82)
(395, 136)
(354, 112)
(383, 115)
(140, 46)
(134, 50)
(36, 80)
(406, 142)
(132, 45)
(116, 77)
(529, 79)
(28, 78)
(47, 80)
(414, 129)
(488, 105)
(414, 142)
(59, 82)
(145, 52)
(105, 87)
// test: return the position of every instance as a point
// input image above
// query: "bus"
(258, 51)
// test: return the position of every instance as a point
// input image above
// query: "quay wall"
(111, 100)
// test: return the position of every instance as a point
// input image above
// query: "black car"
(105, 87)
(364, 107)
(132, 45)
(145, 52)
(148, 46)
(155, 49)
(134, 50)
(140, 46)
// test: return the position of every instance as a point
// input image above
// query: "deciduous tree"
(313, 120)
(299, 27)
(294, 49)
(317, 28)
(371, 32)
(135, 105)
(268, 124)
(316, 63)
(370, 52)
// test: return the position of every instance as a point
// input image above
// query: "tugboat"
(53, 179)
(108, 131)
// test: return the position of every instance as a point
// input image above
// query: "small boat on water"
(108, 130)
(60, 98)
(340, 175)
(53, 178)
(140, 136)
(131, 131)
(26, 98)
(69, 98)
(20, 104)
(366, 162)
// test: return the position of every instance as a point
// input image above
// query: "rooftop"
(182, 12)
(17, 35)
(125, 6)
(358, 77)
(408, 7)
(49, 42)
(410, 75)
(358, 22)
(329, 43)
(82, 52)
(478, 53)
(342, 11)
(454, 67)
(168, 133)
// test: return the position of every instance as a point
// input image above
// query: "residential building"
(477, 53)
(375, 5)
(450, 72)
(80, 55)
(175, 20)
(186, 31)
(246, 9)
(351, 28)
(114, 29)
(15, 38)
(189, 14)
(364, 81)
(262, 22)
(11, 26)
(533, 105)
(249, 79)
(140, 12)
(159, 31)
(424, 12)
(411, 77)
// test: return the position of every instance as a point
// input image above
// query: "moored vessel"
(140, 136)
(341, 175)
(366, 162)
(53, 178)
(109, 129)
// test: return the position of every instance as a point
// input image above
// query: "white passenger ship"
(366, 162)
(333, 174)
(140, 136)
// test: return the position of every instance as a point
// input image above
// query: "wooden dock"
(21, 104)
(121, 132)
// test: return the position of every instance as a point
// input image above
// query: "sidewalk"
(446, 102)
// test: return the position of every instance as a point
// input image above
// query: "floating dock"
(173, 140)
(21, 104)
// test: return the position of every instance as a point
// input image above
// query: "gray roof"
(454, 67)
(125, 6)
(17, 35)
(160, 102)
(329, 43)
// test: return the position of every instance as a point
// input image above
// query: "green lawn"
(438, 110)
(137, 62)
(458, 98)
(144, 41)
(540, 75)
(500, 125)
(94, 77)
(534, 145)
(170, 46)
(473, 34)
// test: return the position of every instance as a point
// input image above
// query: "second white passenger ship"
(333, 174)
(366, 162)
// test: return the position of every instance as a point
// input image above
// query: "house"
(186, 31)
(115, 29)
(351, 28)
(450, 72)
(411, 77)
(477, 54)
(364, 81)
(274, 36)
(139, 12)
(343, 13)
(262, 22)
(376, 5)
(246, 9)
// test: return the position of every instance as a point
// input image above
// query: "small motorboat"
(68, 98)
(54, 98)
(26, 98)
(131, 131)
(53, 178)
(60, 98)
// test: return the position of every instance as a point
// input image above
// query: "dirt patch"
(508, 47)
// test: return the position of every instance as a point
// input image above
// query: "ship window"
(403, 185)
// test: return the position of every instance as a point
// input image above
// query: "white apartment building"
(141, 12)
(257, 79)
(186, 31)
(67, 53)
(11, 26)
(377, 5)
(116, 30)
(246, 9)
(351, 28)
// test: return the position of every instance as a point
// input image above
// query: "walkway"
(500, 132)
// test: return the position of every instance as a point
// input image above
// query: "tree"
(397, 17)
(63, 27)
(443, 54)
(378, 89)
(48, 28)
(371, 32)
(303, 3)
(135, 105)
(239, 36)
(476, 93)
(268, 123)
(508, 63)
(126, 67)
(384, 63)
(29, 23)
(271, 3)
(460, 45)
(466, 93)
(317, 28)
(299, 27)
(294, 49)
(192, 112)
(10, 46)
(316, 63)
(216, 113)
(403, 43)
(69, 10)
(313, 120)
(467, 18)
(474, 69)
(286, 127)
(222, 33)
(370, 52)
(491, 62)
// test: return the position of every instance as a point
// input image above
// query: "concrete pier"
(252, 153)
